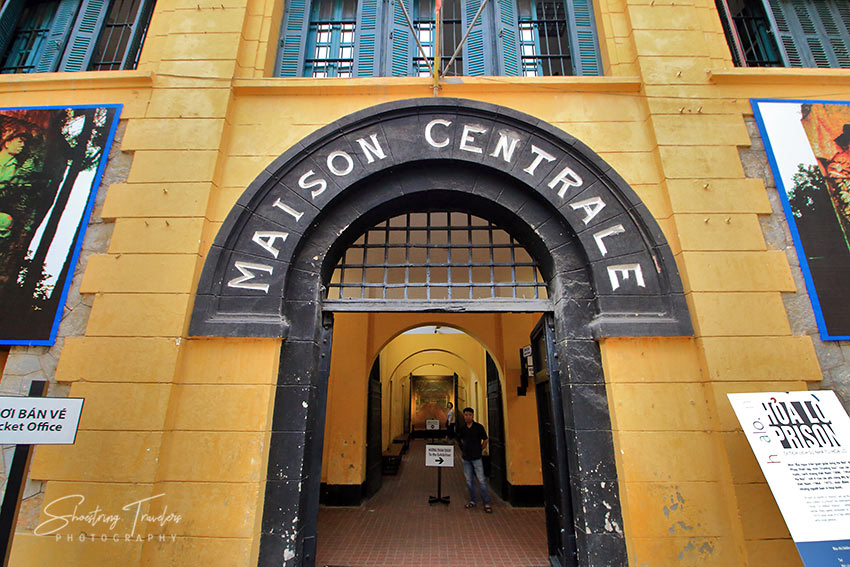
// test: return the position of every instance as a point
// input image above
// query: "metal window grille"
(123, 30)
(544, 43)
(749, 34)
(451, 34)
(331, 39)
(29, 38)
(436, 256)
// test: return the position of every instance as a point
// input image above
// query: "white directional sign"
(439, 455)
(432, 424)
(39, 421)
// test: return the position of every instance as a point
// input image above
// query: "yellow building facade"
(192, 416)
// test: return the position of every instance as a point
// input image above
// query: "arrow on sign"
(440, 460)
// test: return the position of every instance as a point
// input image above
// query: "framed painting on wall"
(51, 163)
(808, 146)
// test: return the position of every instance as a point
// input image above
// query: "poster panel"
(429, 399)
(51, 163)
(801, 440)
(808, 147)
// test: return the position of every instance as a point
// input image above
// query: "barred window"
(330, 41)
(375, 38)
(450, 34)
(40, 36)
(543, 38)
(787, 33)
(436, 256)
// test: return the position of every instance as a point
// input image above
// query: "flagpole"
(437, 17)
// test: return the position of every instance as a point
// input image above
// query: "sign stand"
(439, 456)
(439, 497)
(14, 487)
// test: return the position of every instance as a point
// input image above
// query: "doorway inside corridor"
(415, 375)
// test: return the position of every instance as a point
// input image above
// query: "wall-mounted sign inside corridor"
(439, 455)
(51, 162)
(801, 440)
(808, 144)
(39, 421)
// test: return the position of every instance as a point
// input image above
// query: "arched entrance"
(398, 525)
(606, 264)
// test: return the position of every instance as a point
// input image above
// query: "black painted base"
(342, 494)
(525, 495)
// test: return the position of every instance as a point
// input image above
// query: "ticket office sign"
(39, 421)
(801, 441)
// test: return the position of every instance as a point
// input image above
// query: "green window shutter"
(812, 33)
(508, 38)
(584, 42)
(786, 41)
(401, 42)
(84, 35)
(476, 57)
(293, 35)
(9, 15)
(835, 19)
(58, 36)
(367, 62)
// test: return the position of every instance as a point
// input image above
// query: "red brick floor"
(397, 527)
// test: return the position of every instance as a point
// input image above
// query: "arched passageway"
(605, 263)
(396, 524)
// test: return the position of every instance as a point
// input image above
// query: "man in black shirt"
(473, 440)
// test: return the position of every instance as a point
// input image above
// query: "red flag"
(438, 5)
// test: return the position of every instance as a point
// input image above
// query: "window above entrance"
(372, 38)
(42, 36)
(436, 256)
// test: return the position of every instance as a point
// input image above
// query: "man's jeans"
(478, 467)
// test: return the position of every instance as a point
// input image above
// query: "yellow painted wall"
(190, 417)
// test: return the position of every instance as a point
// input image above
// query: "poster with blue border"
(808, 146)
(801, 441)
(51, 163)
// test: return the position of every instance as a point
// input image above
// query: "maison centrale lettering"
(563, 182)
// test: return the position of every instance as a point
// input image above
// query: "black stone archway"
(607, 265)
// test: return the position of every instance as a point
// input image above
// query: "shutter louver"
(731, 33)
(787, 44)
(814, 33)
(84, 35)
(51, 55)
(842, 48)
(474, 57)
(583, 37)
(508, 38)
(9, 15)
(293, 35)
(401, 42)
(366, 59)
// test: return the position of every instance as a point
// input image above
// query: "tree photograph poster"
(51, 162)
(808, 146)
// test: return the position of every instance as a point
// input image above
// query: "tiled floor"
(397, 527)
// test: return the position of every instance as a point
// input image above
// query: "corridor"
(398, 528)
